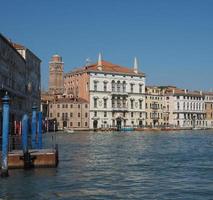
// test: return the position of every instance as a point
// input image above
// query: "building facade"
(20, 77)
(56, 80)
(155, 107)
(186, 108)
(209, 108)
(69, 112)
(116, 94)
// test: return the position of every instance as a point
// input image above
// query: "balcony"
(154, 106)
(64, 118)
(119, 109)
(119, 92)
(155, 117)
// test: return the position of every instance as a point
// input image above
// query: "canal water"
(121, 165)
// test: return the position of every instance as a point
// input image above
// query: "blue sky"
(173, 40)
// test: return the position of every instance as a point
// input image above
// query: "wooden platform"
(42, 158)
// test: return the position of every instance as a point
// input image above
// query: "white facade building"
(117, 97)
(186, 109)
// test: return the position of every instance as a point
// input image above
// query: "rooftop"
(106, 67)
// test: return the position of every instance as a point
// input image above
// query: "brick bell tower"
(56, 79)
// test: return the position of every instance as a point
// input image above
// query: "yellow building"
(154, 105)
(209, 108)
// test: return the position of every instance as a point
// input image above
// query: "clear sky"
(172, 39)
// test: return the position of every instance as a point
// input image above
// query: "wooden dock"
(41, 158)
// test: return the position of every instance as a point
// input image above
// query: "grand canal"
(125, 165)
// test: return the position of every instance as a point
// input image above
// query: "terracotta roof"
(17, 46)
(107, 67)
(178, 91)
(208, 93)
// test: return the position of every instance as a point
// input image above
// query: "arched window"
(124, 86)
(113, 86)
(118, 86)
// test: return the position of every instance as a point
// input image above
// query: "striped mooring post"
(33, 127)
(5, 135)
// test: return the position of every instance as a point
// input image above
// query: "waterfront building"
(209, 108)
(186, 108)
(155, 108)
(32, 76)
(20, 77)
(56, 82)
(116, 94)
(69, 112)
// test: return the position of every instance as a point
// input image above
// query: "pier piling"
(4, 163)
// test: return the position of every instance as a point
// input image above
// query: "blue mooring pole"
(5, 115)
(25, 129)
(39, 145)
(33, 127)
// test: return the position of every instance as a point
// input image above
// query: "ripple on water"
(146, 165)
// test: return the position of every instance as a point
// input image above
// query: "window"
(79, 105)
(113, 86)
(118, 86)
(66, 106)
(58, 105)
(95, 114)
(140, 104)
(70, 105)
(124, 86)
(178, 105)
(86, 106)
(58, 114)
(70, 123)
(113, 102)
(86, 114)
(140, 114)
(95, 85)
(79, 124)
(85, 124)
(131, 87)
(132, 114)
(79, 114)
(105, 114)
(119, 102)
(140, 88)
(105, 86)
(95, 103)
(132, 102)
(105, 103)
(70, 114)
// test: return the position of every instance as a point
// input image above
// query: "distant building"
(69, 112)
(116, 94)
(56, 82)
(186, 108)
(20, 77)
(155, 107)
(209, 108)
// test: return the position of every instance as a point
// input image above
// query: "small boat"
(69, 130)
